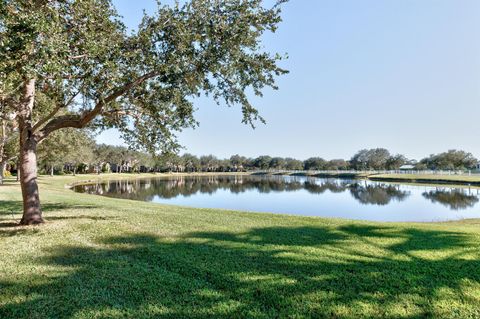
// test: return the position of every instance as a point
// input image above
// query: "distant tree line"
(367, 159)
(75, 152)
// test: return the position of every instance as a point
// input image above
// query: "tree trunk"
(32, 213)
(3, 166)
(51, 170)
(18, 171)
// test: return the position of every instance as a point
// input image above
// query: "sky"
(398, 74)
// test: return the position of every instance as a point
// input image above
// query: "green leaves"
(66, 146)
(142, 83)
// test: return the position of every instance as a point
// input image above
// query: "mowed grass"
(429, 178)
(99, 257)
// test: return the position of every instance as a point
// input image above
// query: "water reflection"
(377, 194)
(356, 199)
(146, 190)
(334, 186)
(455, 199)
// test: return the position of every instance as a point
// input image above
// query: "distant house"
(407, 167)
(477, 166)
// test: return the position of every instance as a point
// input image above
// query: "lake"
(307, 196)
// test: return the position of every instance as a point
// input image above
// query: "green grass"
(100, 257)
(429, 178)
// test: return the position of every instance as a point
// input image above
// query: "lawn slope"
(100, 257)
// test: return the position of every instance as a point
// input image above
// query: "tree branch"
(46, 118)
(54, 111)
(81, 120)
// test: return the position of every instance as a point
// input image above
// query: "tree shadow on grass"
(10, 213)
(272, 272)
(7, 207)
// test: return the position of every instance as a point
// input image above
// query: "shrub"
(82, 168)
(106, 168)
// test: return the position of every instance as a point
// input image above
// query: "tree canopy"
(450, 160)
(72, 64)
(377, 159)
(144, 83)
(66, 146)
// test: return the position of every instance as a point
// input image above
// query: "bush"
(105, 168)
(82, 168)
(136, 168)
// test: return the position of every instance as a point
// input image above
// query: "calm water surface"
(307, 196)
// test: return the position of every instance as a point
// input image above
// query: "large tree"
(314, 163)
(209, 163)
(293, 164)
(450, 160)
(375, 158)
(277, 163)
(238, 162)
(262, 162)
(79, 55)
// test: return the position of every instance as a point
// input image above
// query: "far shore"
(454, 179)
(443, 179)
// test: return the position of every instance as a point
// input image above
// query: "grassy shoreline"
(473, 180)
(99, 257)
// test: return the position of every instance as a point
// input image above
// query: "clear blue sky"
(399, 74)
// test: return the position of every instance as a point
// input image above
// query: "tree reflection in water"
(455, 199)
(147, 189)
(377, 194)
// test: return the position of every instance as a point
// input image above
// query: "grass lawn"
(429, 178)
(99, 257)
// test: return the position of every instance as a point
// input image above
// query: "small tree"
(82, 168)
(105, 168)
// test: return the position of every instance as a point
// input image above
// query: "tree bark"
(3, 166)
(32, 213)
